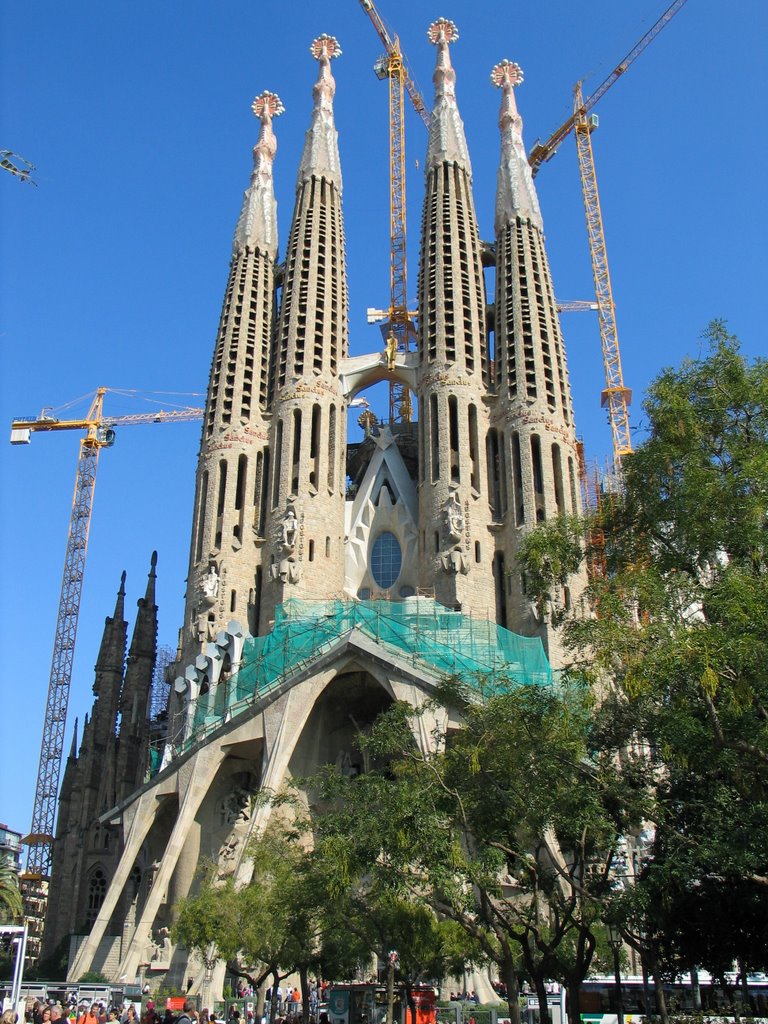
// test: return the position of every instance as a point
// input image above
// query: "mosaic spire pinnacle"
(515, 191)
(257, 225)
(446, 131)
(320, 158)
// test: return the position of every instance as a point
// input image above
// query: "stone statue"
(161, 955)
(234, 806)
(289, 529)
(235, 811)
(345, 765)
(453, 559)
(210, 585)
(454, 519)
(390, 351)
(454, 562)
(286, 571)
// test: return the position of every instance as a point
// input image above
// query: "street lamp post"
(392, 965)
(616, 942)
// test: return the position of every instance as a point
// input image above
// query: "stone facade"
(110, 764)
(286, 508)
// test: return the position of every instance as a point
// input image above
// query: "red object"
(174, 1003)
(424, 999)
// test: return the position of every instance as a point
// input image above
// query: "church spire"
(257, 225)
(120, 602)
(233, 467)
(537, 456)
(320, 158)
(73, 748)
(108, 671)
(515, 192)
(149, 596)
(134, 698)
(454, 516)
(308, 430)
(446, 131)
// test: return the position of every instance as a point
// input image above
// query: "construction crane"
(399, 321)
(99, 433)
(615, 396)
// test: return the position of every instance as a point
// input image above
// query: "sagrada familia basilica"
(327, 578)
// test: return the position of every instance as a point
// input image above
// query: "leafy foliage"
(10, 897)
(681, 643)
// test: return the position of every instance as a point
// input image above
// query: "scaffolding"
(418, 632)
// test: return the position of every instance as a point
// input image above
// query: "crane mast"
(615, 396)
(98, 435)
(40, 839)
(400, 321)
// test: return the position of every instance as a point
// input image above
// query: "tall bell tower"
(533, 441)
(229, 522)
(454, 512)
(304, 536)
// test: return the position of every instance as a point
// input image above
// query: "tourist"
(185, 1017)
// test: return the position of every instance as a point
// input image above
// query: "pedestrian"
(185, 1017)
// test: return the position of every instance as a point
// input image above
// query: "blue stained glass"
(386, 560)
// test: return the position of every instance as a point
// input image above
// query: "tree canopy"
(679, 648)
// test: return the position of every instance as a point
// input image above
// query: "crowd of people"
(288, 1010)
(50, 1011)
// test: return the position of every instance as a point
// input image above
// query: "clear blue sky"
(138, 118)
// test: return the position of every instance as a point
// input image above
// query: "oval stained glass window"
(386, 560)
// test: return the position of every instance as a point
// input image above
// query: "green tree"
(680, 648)
(507, 829)
(277, 924)
(11, 909)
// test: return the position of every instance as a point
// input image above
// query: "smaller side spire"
(85, 733)
(515, 192)
(320, 158)
(120, 602)
(149, 596)
(73, 748)
(446, 131)
(257, 226)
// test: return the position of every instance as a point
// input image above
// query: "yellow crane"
(392, 66)
(99, 433)
(616, 397)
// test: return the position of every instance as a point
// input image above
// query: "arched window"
(97, 890)
(134, 884)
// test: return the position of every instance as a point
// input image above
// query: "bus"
(598, 998)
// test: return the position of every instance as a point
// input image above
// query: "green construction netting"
(418, 631)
